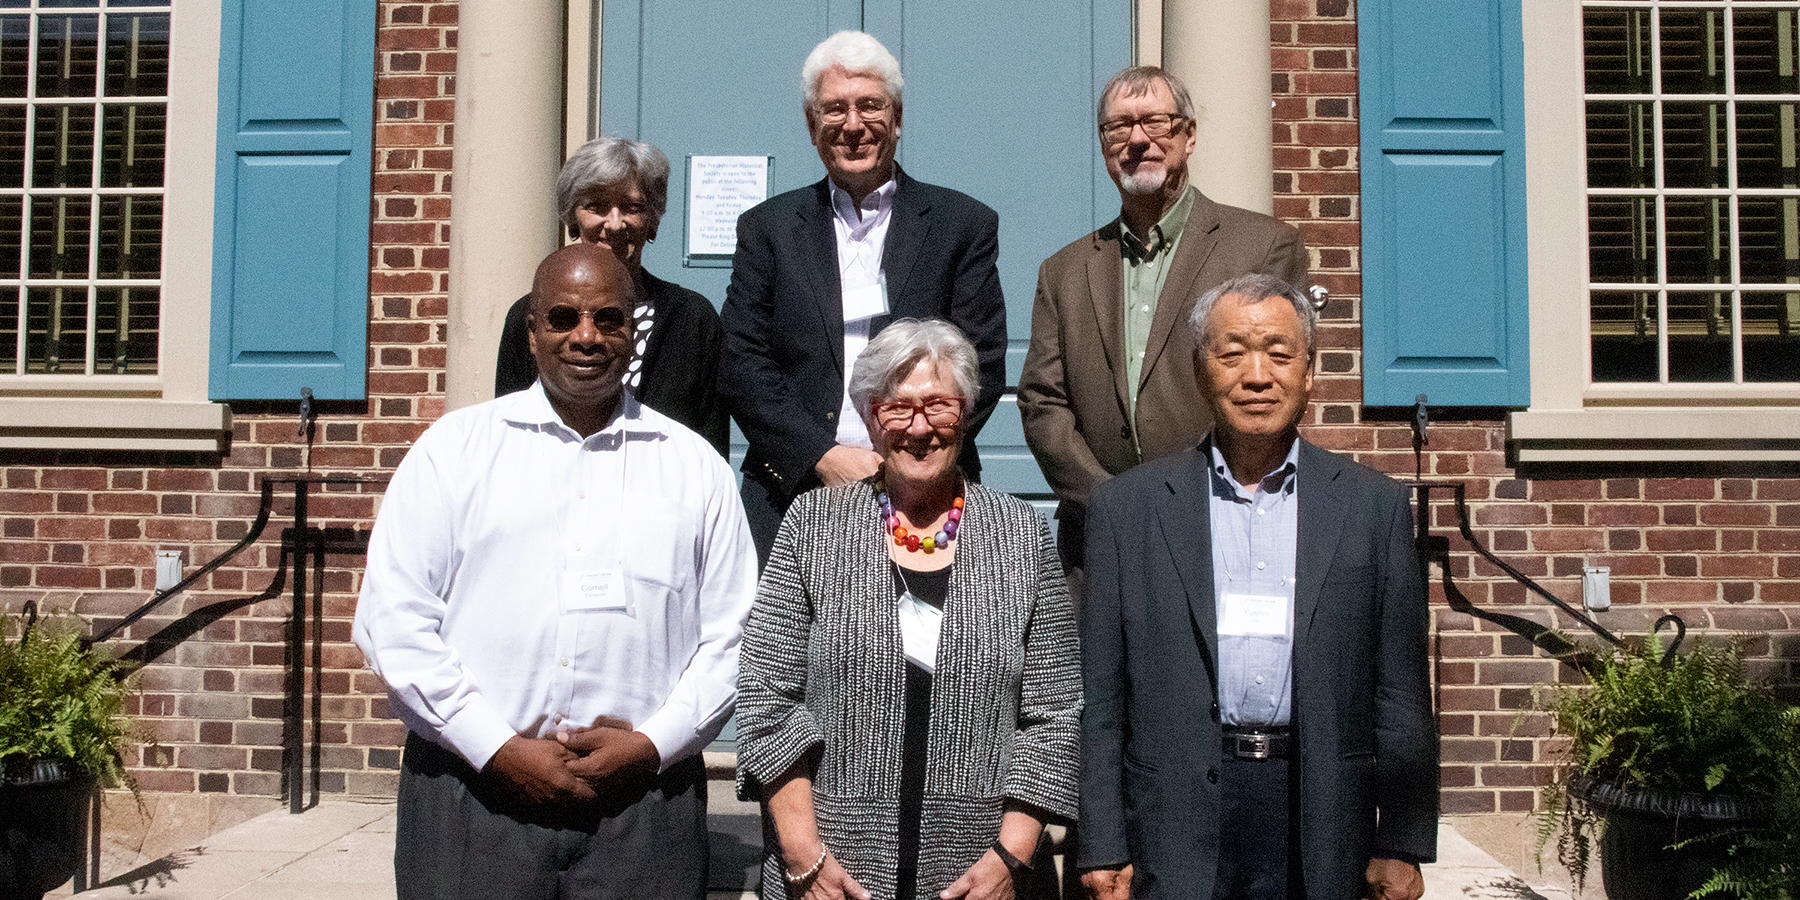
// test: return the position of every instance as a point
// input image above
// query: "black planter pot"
(42, 810)
(1642, 824)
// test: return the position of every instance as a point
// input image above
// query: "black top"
(681, 361)
(931, 588)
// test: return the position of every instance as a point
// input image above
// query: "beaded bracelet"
(1014, 864)
(807, 875)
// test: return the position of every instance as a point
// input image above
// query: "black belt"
(1257, 743)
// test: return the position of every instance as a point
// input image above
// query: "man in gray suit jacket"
(1258, 722)
(820, 270)
(1109, 377)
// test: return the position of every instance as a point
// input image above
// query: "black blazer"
(782, 372)
(1368, 773)
(681, 361)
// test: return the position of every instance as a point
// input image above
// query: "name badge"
(1253, 615)
(595, 589)
(865, 301)
(920, 623)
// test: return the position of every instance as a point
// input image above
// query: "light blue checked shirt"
(1254, 534)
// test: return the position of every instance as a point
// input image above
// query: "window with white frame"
(83, 114)
(1693, 198)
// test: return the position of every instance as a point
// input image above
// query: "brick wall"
(1724, 553)
(80, 530)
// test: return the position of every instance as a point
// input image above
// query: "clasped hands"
(581, 765)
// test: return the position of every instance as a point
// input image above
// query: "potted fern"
(1685, 772)
(63, 730)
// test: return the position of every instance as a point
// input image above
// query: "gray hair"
(608, 161)
(893, 354)
(1256, 288)
(855, 52)
(1135, 81)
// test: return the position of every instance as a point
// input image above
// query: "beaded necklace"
(916, 543)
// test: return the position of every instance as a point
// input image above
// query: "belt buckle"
(1254, 746)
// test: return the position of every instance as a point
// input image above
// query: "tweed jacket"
(1072, 391)
(821, 664)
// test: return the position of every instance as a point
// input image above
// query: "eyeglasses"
(1160, 125)
(608, 320)
(837, 113)
(939, 412)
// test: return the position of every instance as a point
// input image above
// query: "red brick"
(1737, 567)
(1668, 539)
(1680, 489)
(1568, 540)
(1737, 514)
(1468, 802)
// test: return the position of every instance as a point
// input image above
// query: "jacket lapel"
(1318, 528)
(1106, 290)
(1198, 238)
(814, 230)
(908, 226)
(1186, 520)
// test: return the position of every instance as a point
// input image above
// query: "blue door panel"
(1445, 303)
(291, 200)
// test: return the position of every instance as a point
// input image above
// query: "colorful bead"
(950, 529)
(956, 515)
(916, 543)
(899, 530)
(957, 503)
(928, 544)
(943, 539)
(913, 542)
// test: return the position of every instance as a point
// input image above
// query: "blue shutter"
(1443, 202)
(291, 218)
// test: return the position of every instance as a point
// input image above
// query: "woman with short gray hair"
(909, 683)
(612, 192)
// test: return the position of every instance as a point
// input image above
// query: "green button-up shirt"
(1146, 261)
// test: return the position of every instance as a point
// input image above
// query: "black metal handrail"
(1436, 548)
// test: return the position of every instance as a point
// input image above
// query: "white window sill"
(114, 423)
(1620, 434)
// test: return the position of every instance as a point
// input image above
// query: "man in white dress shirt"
(556, 588)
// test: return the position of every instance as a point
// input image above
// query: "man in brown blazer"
(1109, 378)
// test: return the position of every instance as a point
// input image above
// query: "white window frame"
(168, 410)
(1572, 419)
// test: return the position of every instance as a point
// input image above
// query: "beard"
(1148, 179)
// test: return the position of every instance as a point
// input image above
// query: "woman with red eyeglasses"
(909, 684)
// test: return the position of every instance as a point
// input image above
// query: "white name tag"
(595, 589)
(865, 301)
(1253, 615)
(920, 623)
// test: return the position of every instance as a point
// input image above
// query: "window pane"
(1771, 336)
(1766, 145)
(15, 55)
(63, 155)
(59, 237)
(131, 148)
(1624, 335)
(125, 331)
(1768, 240)
(89, 4)
(1699, 336)
(12, 226)
(1764, 51)
(56, 330)
(12, 146)
(1694, 150)
(66, 63)
(1617, 50)
(1620, 148)
(9, 332)
(1693, 51)
(1698, 233)
(1622, 239)
(130, 237)
(137, 55)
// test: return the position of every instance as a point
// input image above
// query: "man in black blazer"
(814, 277)
(1258, 721)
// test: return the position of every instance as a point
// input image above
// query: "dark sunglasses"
(607, 319)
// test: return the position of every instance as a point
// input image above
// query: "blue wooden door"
(999, 105)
